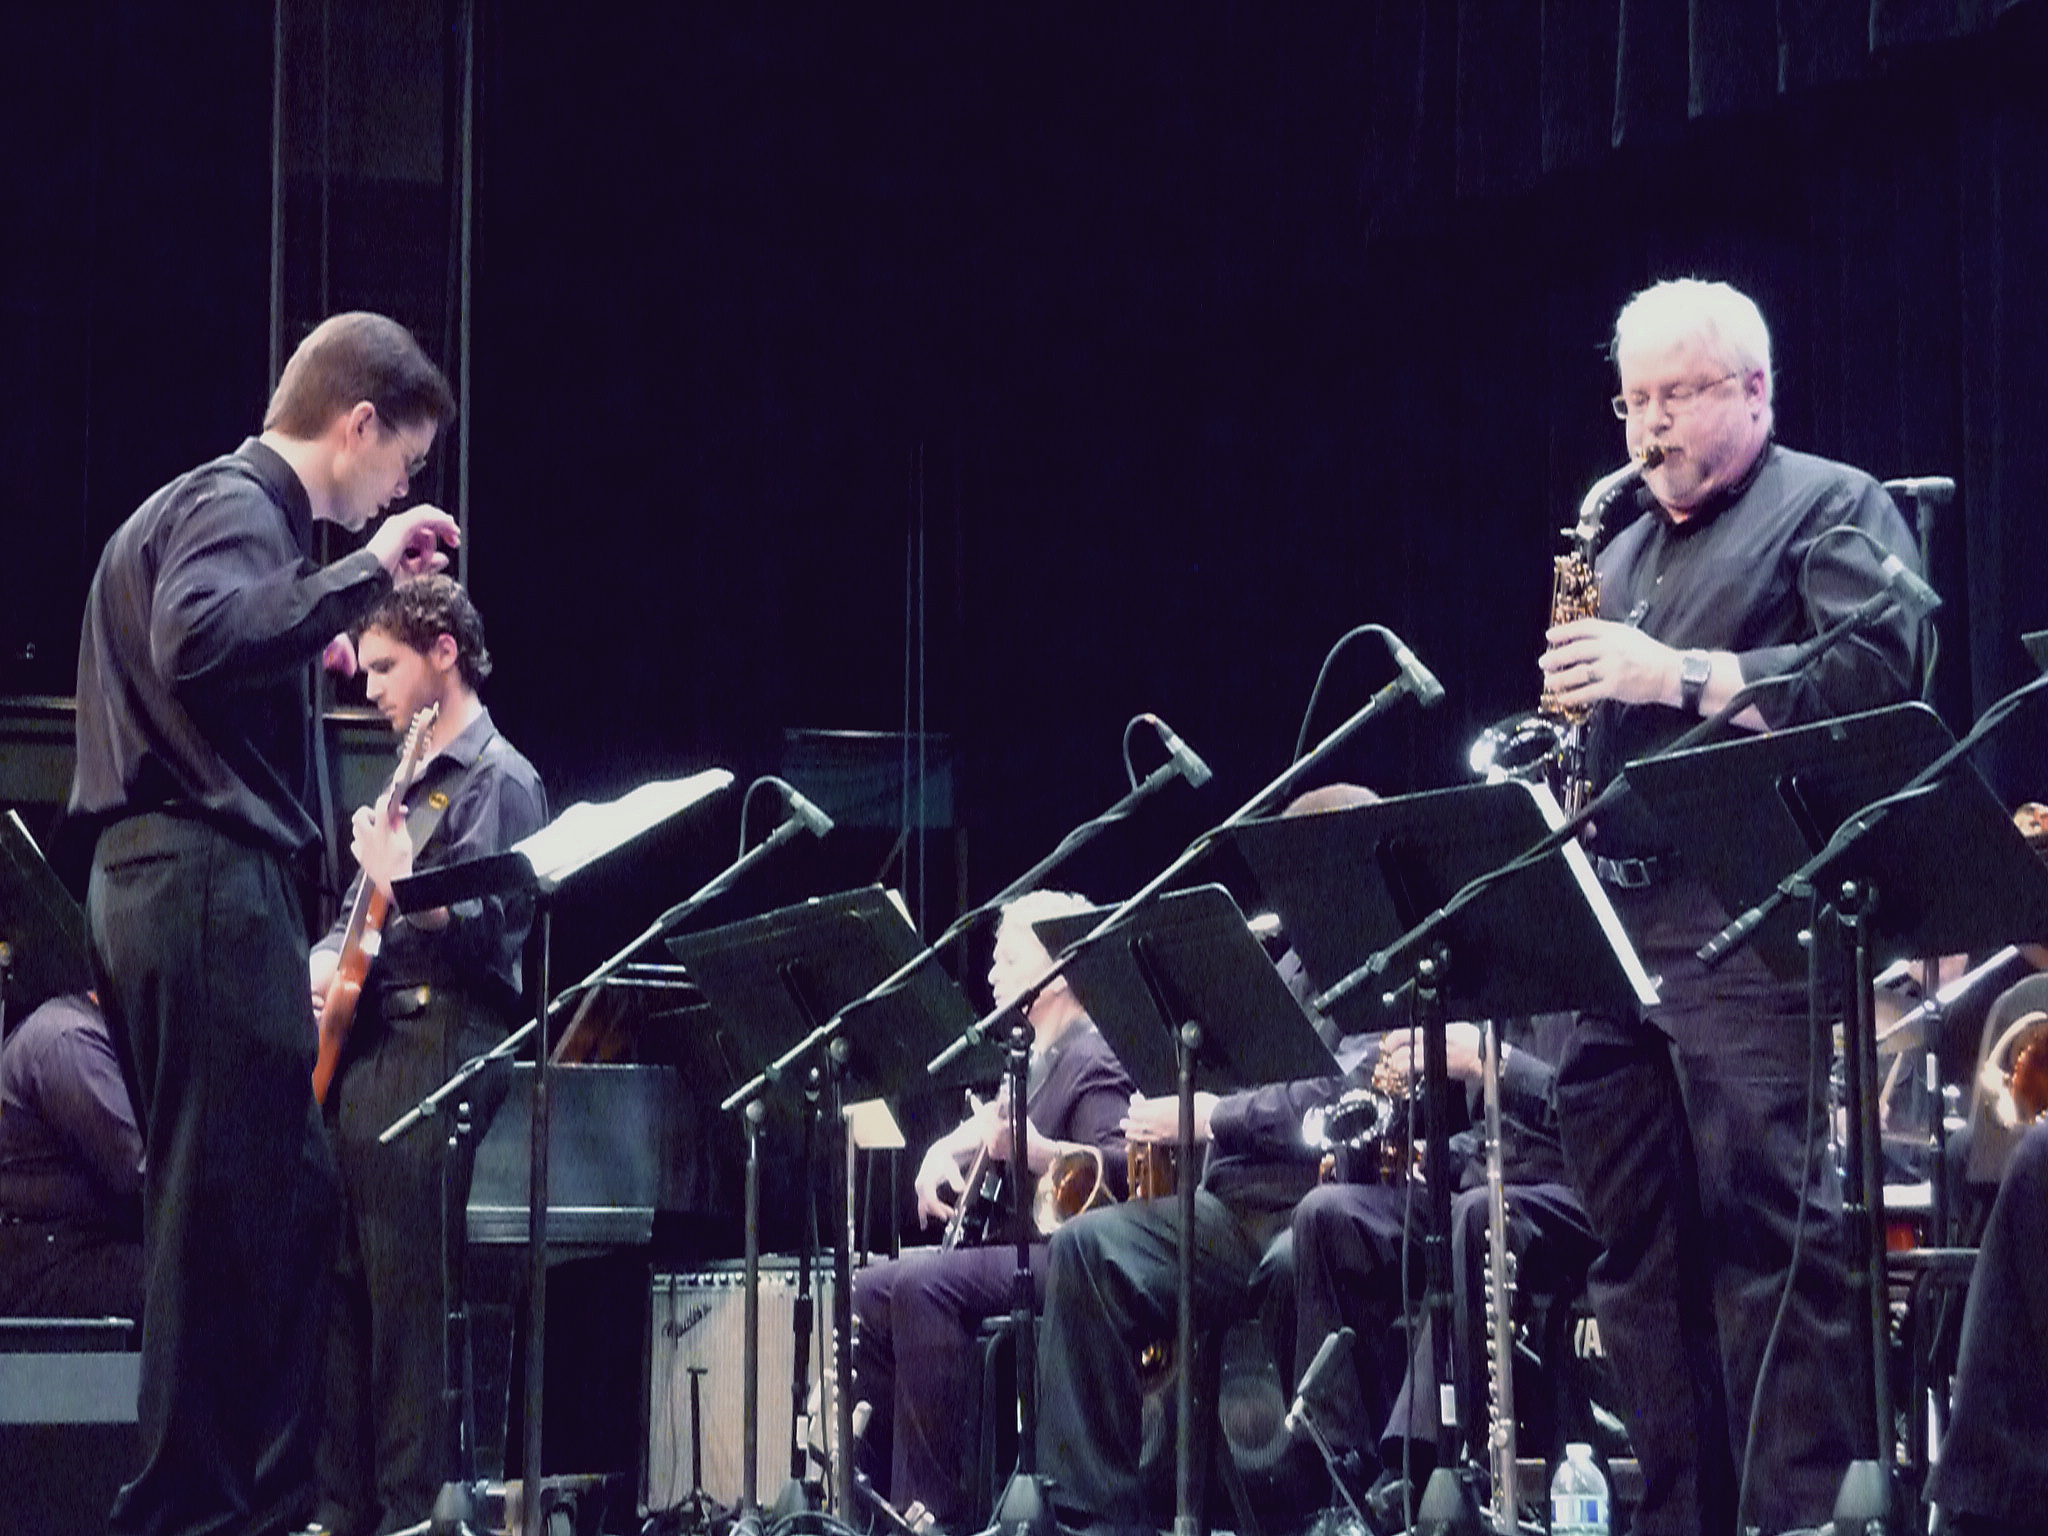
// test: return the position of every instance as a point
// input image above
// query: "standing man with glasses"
(1685, 1127)
(194, 734)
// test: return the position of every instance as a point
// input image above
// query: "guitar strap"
(423, 819)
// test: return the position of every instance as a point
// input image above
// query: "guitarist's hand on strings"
(383, 849)
(938, 1177)
(382, 845)
(940, 1174)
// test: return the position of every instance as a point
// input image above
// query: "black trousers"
(1347, 1256)
(1994, 1463)
(387, 1441)
(200, 946)
(1112, 1280)
(917, 1367)
(1685, 1133)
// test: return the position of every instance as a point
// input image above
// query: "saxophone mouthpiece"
(1652, 456)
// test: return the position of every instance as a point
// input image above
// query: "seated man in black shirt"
(1112, 1282)
(70, 1169)
(442, 988)
(1348, 1252)
(916, 1317)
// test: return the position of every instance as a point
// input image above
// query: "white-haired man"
(919, 1314)
(1684, 1127)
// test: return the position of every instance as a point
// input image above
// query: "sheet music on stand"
(548, 859)
(1362, 895)
(1185, 968)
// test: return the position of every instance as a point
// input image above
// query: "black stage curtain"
(1167, 340)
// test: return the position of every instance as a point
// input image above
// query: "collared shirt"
(1783, 553)
(1079, 1091)
(69, 1149)
(494, 799)
(203, 619)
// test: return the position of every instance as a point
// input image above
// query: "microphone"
(1336, 1350)
(1936, 490)
(1192, 768)
(1916, 599)
(1419, 679)
(814, 820)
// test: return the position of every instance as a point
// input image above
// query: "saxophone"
(1575, 594)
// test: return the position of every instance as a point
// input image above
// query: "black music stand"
(1182, 986)
(1357, 889)
(771, 981)
(1942, 873)
(1955, 873)
(542, 865)
(44, 950)
(1350, 884)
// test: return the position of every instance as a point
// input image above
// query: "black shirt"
(495, 799)
(202, 621)
(1079, 1090)
(1765, 566)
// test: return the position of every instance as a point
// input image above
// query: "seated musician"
(1112, 1276)
(70, 1169)
(1112, 1284)
(917, 1316)
(1347, 1256)
(441, 989)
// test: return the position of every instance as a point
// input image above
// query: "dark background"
(1006, 374)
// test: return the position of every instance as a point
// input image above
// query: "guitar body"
(338, 1012)
(361, 939)
(1073, 1183)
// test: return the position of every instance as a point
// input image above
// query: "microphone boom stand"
(1027, 1494)
(460, 1500)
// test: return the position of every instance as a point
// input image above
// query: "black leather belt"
(1636, 874)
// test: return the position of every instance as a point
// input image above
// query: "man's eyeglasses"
(1678, 399)
(415, 464)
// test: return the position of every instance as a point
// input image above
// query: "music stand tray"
(772, 979)
(1951, 870)
(1195, 947)
(1349, 883)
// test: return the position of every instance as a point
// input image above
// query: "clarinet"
(1500, 1299)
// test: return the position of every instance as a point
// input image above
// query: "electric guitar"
(361, 940)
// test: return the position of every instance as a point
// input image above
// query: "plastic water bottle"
(1578, 1495)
